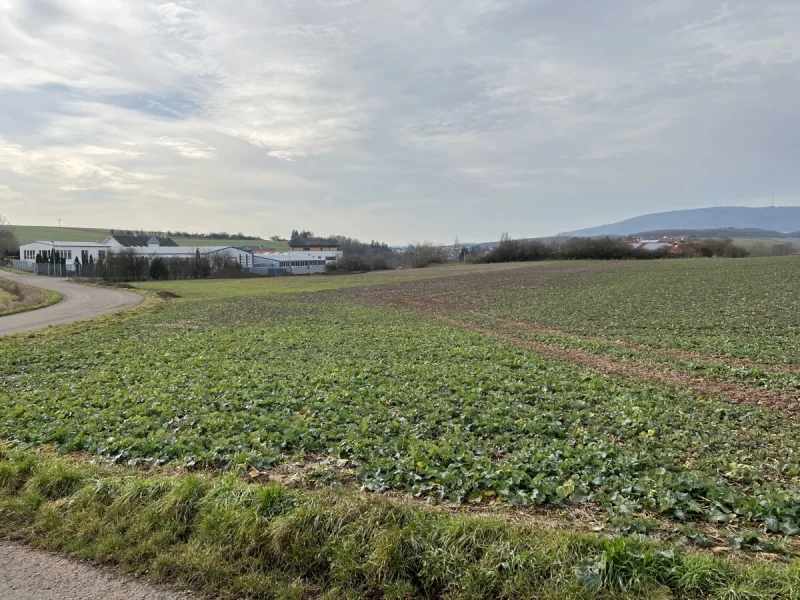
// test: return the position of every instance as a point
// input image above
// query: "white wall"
(306, 263)
(71, 250)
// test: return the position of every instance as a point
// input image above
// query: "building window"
(101, 254)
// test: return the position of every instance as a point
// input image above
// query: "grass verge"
(17, 298)
(224, 537)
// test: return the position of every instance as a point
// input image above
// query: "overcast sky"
(398, 120)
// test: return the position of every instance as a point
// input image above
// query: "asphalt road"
(29, 574)
(80, 302)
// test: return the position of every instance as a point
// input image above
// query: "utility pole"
(59, 224)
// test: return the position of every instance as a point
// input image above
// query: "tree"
(425, 253)
(298, 237)
(8, 240)
(159, 268)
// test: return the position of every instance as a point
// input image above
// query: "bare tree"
(423, 254)
(8, 240)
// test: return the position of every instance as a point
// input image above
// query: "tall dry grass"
(18, 296)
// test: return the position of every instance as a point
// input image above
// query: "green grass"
(233, 289)
(235, 540)
(30, 233)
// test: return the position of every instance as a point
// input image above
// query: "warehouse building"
(256, 261)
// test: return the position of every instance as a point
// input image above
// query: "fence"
(271, 271)
(73, 270)
(51, 269)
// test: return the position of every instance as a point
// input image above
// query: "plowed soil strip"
(432, 304)
(425, 295)
(781, 400)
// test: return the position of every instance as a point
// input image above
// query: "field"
(750, 243)
(29, 233)
(654, 403)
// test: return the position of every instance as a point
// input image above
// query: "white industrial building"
(69, 250)
(253, 260)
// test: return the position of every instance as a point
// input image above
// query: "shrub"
(159, 268)
(722, 248)
(424, 254)
(350, 263)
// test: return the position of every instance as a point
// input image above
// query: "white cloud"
(202, 114)
(187, 147)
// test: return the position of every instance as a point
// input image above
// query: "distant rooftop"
(70, 244)
(134, 241)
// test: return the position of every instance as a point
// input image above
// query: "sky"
(394, 120)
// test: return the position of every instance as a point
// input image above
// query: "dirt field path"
(29, 574)
(80, 302)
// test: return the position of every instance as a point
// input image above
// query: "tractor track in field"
(782, 400)
(432, 305)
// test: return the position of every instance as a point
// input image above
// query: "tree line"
(128, 265)
(219, 235)
(508, 250)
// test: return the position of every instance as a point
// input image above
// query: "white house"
(69, 250)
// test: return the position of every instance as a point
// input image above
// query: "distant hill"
(728, 232)
(32, 233)
(781, 219)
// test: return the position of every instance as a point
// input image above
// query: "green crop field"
(30, 233)
(651, 402)
(766, 243)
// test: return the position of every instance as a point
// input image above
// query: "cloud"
(188, 147)
(398, 121)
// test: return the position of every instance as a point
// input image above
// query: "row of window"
(31, 254)
(301, 263)
(305, 263)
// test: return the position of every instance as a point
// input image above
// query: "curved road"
(80, 302)
(29, 574)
